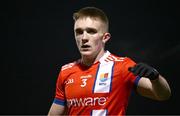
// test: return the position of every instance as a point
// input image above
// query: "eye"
(91, 30)
(79, 31)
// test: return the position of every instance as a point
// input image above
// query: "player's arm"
(151, 84)
(57, 109)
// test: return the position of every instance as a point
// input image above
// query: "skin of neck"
(89, 60)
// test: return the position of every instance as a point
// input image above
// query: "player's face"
(90, 36)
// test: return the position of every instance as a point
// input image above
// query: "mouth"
(85, 46)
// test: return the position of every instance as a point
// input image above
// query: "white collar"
(106, 54)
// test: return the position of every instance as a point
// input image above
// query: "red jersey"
(101, 89)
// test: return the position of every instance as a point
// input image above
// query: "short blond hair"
(92, 12)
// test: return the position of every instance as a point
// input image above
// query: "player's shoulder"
(69, 66)
(123, 61)
(116, 58)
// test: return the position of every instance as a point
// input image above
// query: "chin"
(86, 53)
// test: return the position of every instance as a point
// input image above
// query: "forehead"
(88, 22)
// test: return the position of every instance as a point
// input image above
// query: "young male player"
(100, 83)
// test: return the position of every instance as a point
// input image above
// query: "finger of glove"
(138, 69)
(149, 73)
(131, 69)
(142, 72)
(153, 74)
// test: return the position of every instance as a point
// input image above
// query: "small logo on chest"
(103, 78)
(69, 81)
(86, 76)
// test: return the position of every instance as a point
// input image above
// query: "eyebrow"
(88, 28)
(78, 29)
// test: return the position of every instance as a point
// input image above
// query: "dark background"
(39, 40)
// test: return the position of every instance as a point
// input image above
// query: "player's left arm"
(151, 84)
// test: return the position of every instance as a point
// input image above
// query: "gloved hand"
(144, 70)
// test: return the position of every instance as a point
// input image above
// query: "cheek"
(98, 44)
(77, 42)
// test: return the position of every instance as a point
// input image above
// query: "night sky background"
(39, 40)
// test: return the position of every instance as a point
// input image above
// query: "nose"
(85, 37)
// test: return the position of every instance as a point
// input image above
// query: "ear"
(106, 37)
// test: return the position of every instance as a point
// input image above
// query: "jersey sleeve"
(59, 95)
(130, 78)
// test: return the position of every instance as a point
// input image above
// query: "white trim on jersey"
(99, 113)
(106, 54)
(104, 77)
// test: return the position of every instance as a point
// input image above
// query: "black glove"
(144, 70)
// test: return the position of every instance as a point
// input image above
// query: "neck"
(89, 60)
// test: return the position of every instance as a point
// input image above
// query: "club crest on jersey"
(103, 77)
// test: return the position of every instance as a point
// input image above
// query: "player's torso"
(100, 87)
